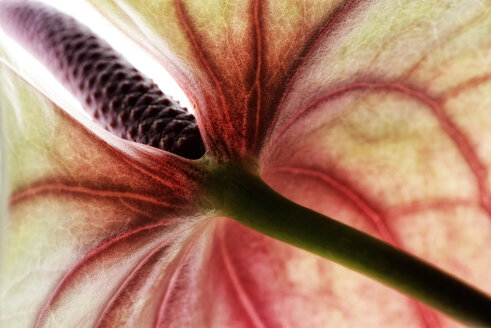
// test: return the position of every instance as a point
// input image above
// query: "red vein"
(436, 45)
(57, 187)
(387, 42)
(197, 48)
(150, 174)
(126, 282)
(135, 210)
(122, 156)
(112, 301)
(96, 251)
(416, 207)
(259, 54)
(462, 87)
(165, 298)
(369, 212)
(459, 139)
(180, 168)
(241, 293)
(428, 317)
(315, 102)
(323, 32)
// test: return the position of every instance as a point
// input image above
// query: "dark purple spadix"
(117, 96)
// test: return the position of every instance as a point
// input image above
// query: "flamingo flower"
(374, 113)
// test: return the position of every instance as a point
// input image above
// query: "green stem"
(247, 199)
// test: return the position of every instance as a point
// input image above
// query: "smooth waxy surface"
(372, 112)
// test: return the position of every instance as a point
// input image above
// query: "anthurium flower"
(374, 113)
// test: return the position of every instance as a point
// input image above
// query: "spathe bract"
(370, 112)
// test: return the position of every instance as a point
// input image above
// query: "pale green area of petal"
(68, 192)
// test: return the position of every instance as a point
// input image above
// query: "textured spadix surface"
(375, 113)
(119, 97)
